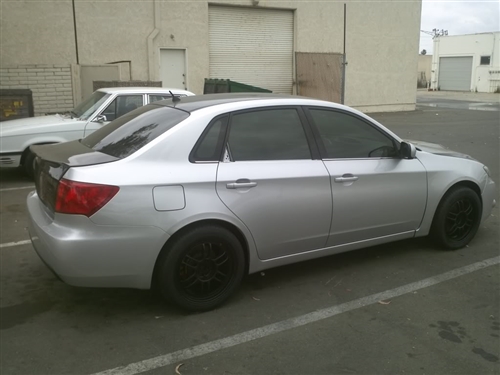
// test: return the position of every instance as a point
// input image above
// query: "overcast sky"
(458, 17)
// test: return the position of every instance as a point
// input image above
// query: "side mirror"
(407, 150)
(100, 119)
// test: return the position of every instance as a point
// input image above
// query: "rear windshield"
(129, 133)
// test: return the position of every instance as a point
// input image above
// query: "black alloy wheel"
(460, 219)
(457, 218)
(201, 268)
(205, 270)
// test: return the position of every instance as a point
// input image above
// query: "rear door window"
(158, 97)
(131, 132)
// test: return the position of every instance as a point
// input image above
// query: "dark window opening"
(485, 60)
(347, 137)
(121, 106)
(209, 147)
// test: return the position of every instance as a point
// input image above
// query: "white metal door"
(455, 73)
(173, 68)
(252, 46)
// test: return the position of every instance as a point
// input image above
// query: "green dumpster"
(214, 86)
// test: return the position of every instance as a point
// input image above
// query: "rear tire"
(29, 164)
(457, 218)
(201, 268)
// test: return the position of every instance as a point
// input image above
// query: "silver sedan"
(189, 195)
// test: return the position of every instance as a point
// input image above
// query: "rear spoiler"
(71, 154)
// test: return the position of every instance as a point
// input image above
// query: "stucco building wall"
(381, 39)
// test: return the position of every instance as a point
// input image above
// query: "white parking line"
(18, 188)
(284, 325)
(18, 243)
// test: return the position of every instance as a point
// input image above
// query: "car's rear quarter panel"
(85, 254)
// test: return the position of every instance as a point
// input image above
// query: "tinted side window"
(275, 134)
(129, 133)
(345, 136)
(210, 145)
(122, 105)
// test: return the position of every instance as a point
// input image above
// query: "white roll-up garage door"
(252, 46)
(455, 73)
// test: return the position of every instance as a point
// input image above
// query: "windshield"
(85, 109)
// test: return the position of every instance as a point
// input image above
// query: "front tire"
(29, 164)
(201, 268)
(457, 218)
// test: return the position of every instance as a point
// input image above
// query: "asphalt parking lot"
(402, 308)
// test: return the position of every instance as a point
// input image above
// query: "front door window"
(347, 137)
(122, 105)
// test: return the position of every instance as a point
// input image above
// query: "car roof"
(199, 102)
(144, 90)
(193, 103)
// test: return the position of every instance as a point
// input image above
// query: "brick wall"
(51, 85)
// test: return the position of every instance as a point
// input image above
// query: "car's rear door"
(273, 181)
(375, 192)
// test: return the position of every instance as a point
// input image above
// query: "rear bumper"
(488, 198)
(10, 160)
(82, 253)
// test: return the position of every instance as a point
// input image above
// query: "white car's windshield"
(85, 109)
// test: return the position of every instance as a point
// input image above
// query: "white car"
(103, 106)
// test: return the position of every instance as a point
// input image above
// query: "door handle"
(346, 178)
(241, 184)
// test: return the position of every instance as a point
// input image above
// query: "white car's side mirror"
(100, 119)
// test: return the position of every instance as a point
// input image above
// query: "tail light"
(81, 198)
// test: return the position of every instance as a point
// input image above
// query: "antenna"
(435, 33)
(175, 99)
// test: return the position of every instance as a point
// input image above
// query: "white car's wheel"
(29, 164)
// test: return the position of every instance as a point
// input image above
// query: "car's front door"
(271, 182)
(375, 192)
